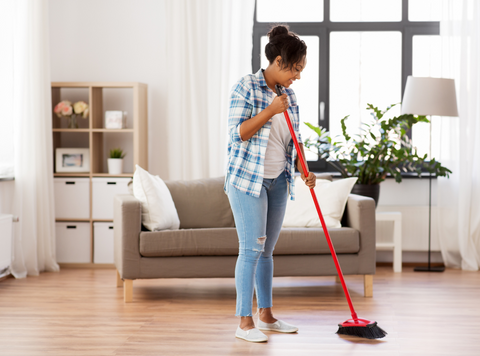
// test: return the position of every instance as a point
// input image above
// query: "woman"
(260, 175)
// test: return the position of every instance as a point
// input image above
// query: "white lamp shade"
(430, 96)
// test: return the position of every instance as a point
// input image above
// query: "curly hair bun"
(285, 44)
(277, 31)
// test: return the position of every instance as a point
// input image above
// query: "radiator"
(6, 236)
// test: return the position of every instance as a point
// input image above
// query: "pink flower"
(67, 110)
(62, 107)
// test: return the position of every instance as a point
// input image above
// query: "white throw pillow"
(332, 198)
(158, 208)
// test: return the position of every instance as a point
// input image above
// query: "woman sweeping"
(260, 175)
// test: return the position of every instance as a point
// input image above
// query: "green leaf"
(390, 152)
(316, 129)
(116, 153)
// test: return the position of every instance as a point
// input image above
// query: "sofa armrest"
(360, 215)
(127, 221)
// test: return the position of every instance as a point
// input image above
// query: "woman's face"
(287, 76)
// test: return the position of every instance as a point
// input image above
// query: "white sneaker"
(252, 335)
(280, 326)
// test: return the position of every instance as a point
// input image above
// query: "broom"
(355, 326)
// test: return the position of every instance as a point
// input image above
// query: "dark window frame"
(407, 28)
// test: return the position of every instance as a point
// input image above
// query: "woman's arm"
(249, 127)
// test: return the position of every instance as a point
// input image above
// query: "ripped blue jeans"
(258, 222)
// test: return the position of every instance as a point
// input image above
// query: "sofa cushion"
(158, 208)
(332, 197)
(201, 203)
(224, 242)
(312, 241)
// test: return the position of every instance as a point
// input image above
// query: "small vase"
(72, 122)
(115, 165)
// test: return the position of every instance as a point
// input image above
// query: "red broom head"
(361, 328)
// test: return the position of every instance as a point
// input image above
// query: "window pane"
(427, 54)
(306, 89)
(424, 10)
(365, 10)
(6, 89)
(289, 11)
(365, 67)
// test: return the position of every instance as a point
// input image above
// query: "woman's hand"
(279, 104)
(311, 180)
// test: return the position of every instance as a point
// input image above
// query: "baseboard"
(410, 264)
(88, 265)
(112, 266)
(416, 257)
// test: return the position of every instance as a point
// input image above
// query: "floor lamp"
(429, 96)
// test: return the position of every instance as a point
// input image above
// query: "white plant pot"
(115, 165)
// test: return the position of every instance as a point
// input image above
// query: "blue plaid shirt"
(249, 96)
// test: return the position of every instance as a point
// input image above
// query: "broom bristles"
(370, 331)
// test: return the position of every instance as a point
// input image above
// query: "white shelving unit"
(83, 199)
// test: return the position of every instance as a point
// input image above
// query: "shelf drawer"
(72, 198)
(103, 192)
(102, 242)
(73, 242)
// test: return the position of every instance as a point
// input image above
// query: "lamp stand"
(429, 268)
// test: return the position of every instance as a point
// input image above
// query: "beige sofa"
(206, 245)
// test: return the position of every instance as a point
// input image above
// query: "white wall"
(124, 40)
(410, 197)
(115, 40)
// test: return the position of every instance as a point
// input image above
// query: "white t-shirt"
(277, 146)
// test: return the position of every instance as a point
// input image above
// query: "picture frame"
(72, 160)
(115, 119)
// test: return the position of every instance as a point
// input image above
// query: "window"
(365, 10)
(6, 90)
(361, 51)
(282, 10)
(361, 63)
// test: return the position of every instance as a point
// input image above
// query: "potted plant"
(382, 147)
(67, 110)
(115, 161)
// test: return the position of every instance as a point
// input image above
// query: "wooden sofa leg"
(127, 290)
(368, 285)
(119, 280)
(337, 279)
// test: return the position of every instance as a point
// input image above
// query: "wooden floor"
(81, 312)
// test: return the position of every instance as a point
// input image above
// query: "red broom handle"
(320, 215)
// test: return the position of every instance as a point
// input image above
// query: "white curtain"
(6, 90)
(459, 196)
(209, 47)
(34, 242)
